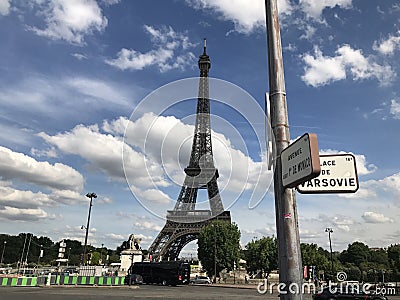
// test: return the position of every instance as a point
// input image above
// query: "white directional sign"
(338, 175)
(300, 160)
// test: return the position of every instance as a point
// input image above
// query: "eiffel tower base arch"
(176, 235)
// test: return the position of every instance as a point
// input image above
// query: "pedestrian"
(246, 281)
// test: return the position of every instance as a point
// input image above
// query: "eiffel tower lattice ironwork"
(184, 222)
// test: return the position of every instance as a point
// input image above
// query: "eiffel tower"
(184, 222)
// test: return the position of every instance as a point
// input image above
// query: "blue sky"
(79, 74)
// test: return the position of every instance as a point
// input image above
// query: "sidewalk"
(227, 285)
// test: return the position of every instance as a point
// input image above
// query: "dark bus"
(164, 272)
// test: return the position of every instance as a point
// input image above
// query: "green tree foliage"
(394, 257)
(356, 254)
(219, 242)
(15, 251)
(312, 255)
(261, 255)
(364, 264)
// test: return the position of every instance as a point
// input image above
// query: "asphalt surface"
(139, 292)
(125, 292)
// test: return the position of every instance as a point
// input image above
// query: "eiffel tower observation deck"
(184, 222)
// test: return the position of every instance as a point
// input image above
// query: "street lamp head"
(82, 227)
(91, 195)
(328, 229)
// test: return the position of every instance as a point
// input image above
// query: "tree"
(394, 257)
(312, 255)
(394, 261)
(218, 246)
(262, 255)
(356, 254)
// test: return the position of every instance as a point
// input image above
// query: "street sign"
(300, 161)
(338, 175)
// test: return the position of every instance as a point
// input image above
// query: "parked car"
(132, 279)
(201, 280)
(350, 293)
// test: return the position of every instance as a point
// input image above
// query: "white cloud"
(363, 168)
(147, 225)
(373, 217)
(309, 32)
(171, 52)
(314, 8)
(116, 237)
(60, 97)
(386, 189)
(22, 214)
(104, 151)
(79, 56)
(20, 205)
(167, 142)
(321, 70)
(155, 152)
(96, 89)
(14, 165)
(342, 222)
(71, 20)
(11, 197)
(4, 7)
(78, 233)
(246, 18)
(152, 195)
(26, 205)
(110, 2)
(51, 152)
(389, 45)
(395, 109)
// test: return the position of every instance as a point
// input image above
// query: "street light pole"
(329, 231)
(101, 253)
(215, 252)
(40, 254)
(69, 253)
(2, 253)
(91, 196)
(289, 253)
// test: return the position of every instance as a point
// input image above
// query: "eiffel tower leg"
(215, 198)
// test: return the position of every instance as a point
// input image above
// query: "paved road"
(143, 292)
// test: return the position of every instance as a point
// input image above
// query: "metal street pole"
(40, 254)
(2, 253)
(329, 231)
(215, 254)
(289, 254)
(91, 196)
(101, 254)
(22, 255)
(69, 253)
(27, 253)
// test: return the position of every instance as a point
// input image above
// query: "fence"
(62, 280)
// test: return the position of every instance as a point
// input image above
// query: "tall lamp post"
(91, 196)
(329, 231)
(69, 253)
(215, 253)
(2, 253)
(101, 253)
